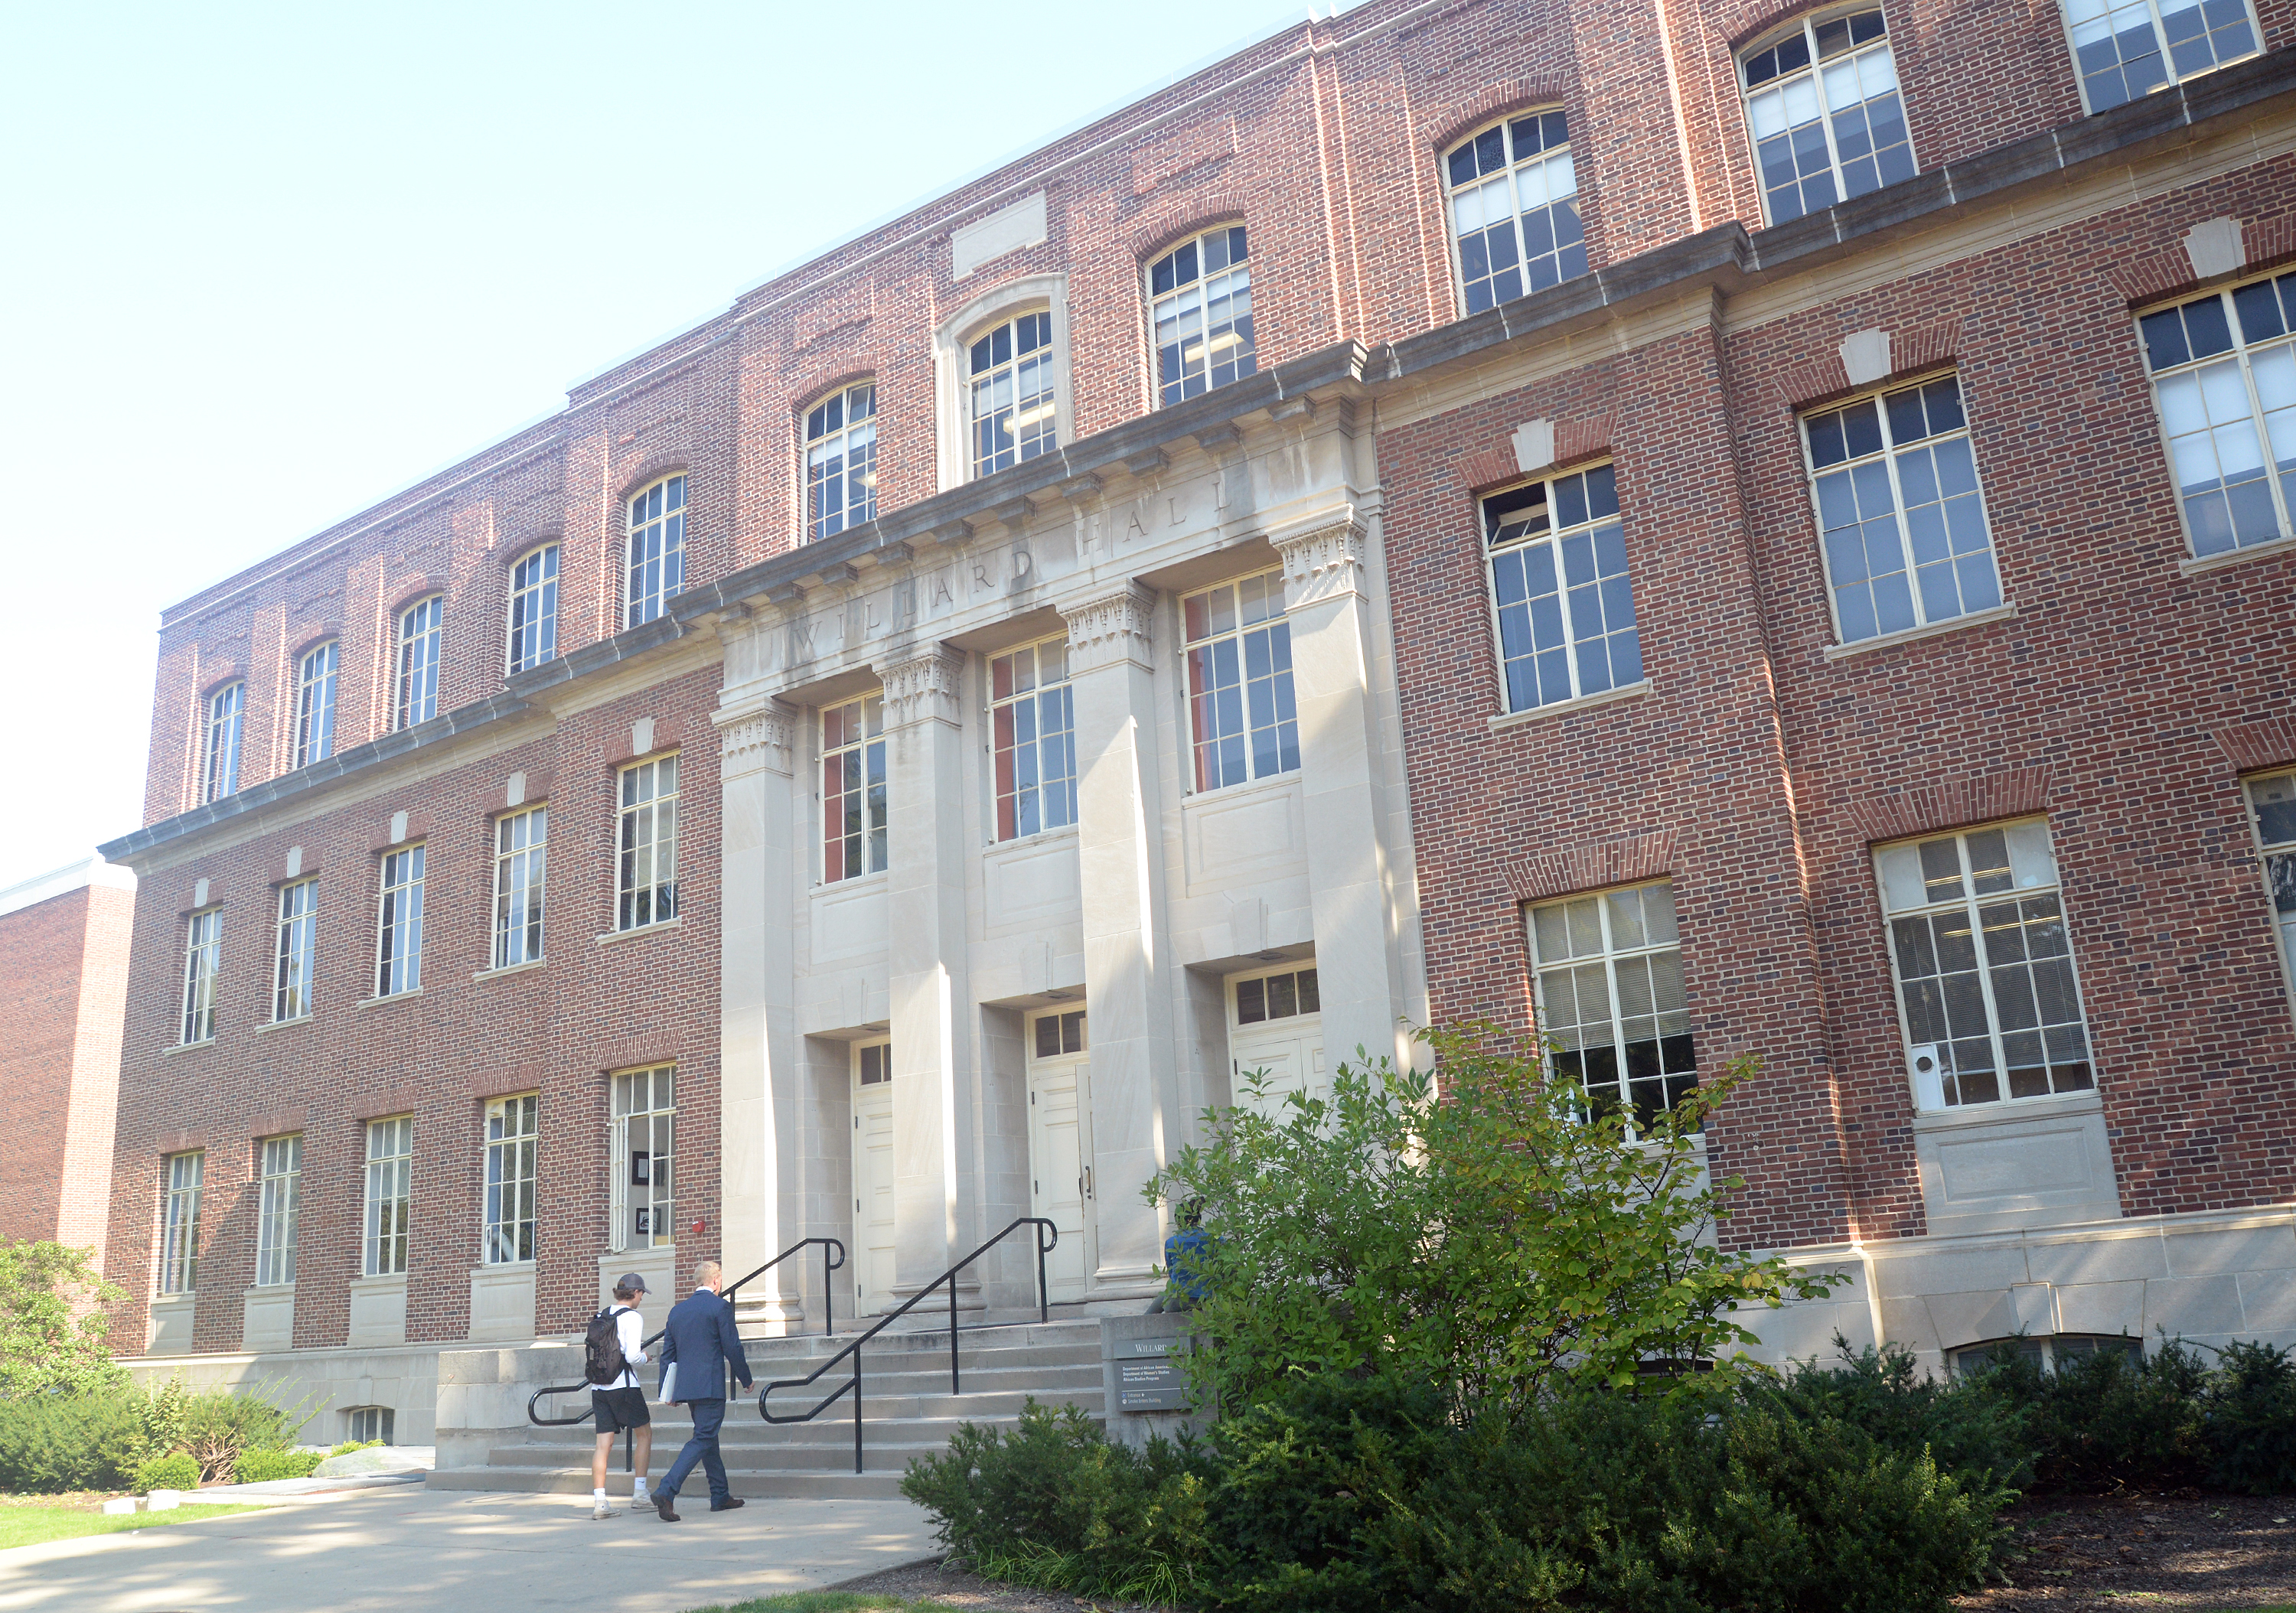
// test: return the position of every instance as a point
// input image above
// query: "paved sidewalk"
(388, 1552)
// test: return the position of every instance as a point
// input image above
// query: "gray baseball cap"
(630, 1283)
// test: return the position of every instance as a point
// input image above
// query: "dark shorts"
(614, 1410)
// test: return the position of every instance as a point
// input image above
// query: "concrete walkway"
(388, 1552)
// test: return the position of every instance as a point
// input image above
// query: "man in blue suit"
(698, 1343)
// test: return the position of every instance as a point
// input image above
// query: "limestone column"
(1358, 952)
(761, 1179)
(934, 1083)
(1129, 972)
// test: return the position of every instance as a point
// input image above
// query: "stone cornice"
(1111, 627)
(925, 688)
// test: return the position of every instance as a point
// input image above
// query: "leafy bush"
(53, 1443)
(219, 1428)
(173, 1471)
(1051, 1502)
(348, 1446)
(53, 1333)
(1978, 1436)
(2107, 1421)
(2249, 1424)
(1499, 1243)
(261, 1467)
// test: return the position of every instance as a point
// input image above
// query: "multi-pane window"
(841, 462)
(418, 661)
(1061, 1034)
(279, 1208)
(645, 1116)
(369, 1423)
(876, 1063)
(1903, 524)
(294, 953)
(647, 881)
(2125, 48)
(1242, 721)
(1515, 209)
(2274, 800)
(1200, 298)
(1611, 1003)
(533, 609)
(179, 1223)
(398, 946)
(2224, 376)
(1565, 608)
(1013, 416)
(519, 842)
(315, 704)
(202, 957)
(853, 789)
(657, 549)
(512, 1125)
(390, 1178)
(1828, 125)
(1032, 722)
(227, 716)
(1984, 970)
(1282, 996)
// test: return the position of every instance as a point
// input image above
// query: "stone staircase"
(906, 1412)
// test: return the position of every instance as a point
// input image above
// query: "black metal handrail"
(828, 1307)
(1048, 1236)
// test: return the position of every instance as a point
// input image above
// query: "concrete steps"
(906, 1410)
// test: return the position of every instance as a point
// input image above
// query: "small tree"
(52, 1331)
(1498, 1240)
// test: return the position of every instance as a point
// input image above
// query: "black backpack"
(602, 1348)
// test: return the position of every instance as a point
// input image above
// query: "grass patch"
(34, 1525)
(830, 1601)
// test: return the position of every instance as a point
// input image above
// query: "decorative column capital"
(1111, 627)
(925, 688)
(1322, 563)
(757, 742)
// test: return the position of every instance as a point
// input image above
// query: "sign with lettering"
(1148, 1377)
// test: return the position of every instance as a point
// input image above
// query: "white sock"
(598, 1498)
(639, 1489)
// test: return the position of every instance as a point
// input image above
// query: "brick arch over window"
(1743, 23)
(1454, 121)
(668, 462)
(1168, 226)
(413, 593)
(309, 638)
(219, 680)
(1952, 804)
(1912, 349)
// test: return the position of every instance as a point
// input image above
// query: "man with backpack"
(613, 1349)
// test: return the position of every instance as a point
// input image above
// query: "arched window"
(841, 462)
(533, 609)
(1200, 298)
(657, 549)
(315, 704)
(1013, 415)
(1515, 209)
(1823, 102)
(227, 713)
(418, 661)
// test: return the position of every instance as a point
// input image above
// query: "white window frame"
(398, 922)
(279, 1210)
(1513, 173)
(1517, 551)
(202, 965)
(389, 1192)
(180, 1178)
(1037, 408)
(2159, 25)
(2277, 354)
(1233, 334)
(296, 952)
(1936, 1086)
(226, 728)
(951, 346)
(507, 1167)
(1815, 70)
(1653, 956)
(845, 454)
(420, 637)
(521, 846)
(646, 843)
(362, 1423)
(1889, 454)
(2277, 859)
(1284, 704)
(653, 549)
(863, 753)
(1299, 981)
(314, 702)
(1032, 758)
(530, 624)
(644, 1100)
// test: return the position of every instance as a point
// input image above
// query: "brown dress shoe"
(728, 1504)
(661, 1505)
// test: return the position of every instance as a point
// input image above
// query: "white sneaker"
(602, 1510)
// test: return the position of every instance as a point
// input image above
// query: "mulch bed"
(2083, 1555)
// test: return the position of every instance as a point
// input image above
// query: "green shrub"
(174, 1471)
(2249, 1421)
(53, 1443)
(1051, 1502)
(219, 1428)
(54, 1332)
(261, 1467)
(348, 1446)
(2107, 1421)
(1979, 1437)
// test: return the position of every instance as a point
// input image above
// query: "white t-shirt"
(631, 1332)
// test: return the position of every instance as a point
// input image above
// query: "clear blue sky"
(265, 264)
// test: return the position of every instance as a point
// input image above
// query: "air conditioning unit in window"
(1928, 1067)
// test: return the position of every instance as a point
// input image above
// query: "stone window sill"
(186, 1047)
(286, 1024)
(386, 1279)
(1270, 785)
(2002, 612)
(2010, 1109)
(396, 996)
(1624, 691)
(2233, 557)
(1030, 842)
(612, 935)
(509, 969)
(859, 881)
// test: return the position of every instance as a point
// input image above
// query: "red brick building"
(1648, 540)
